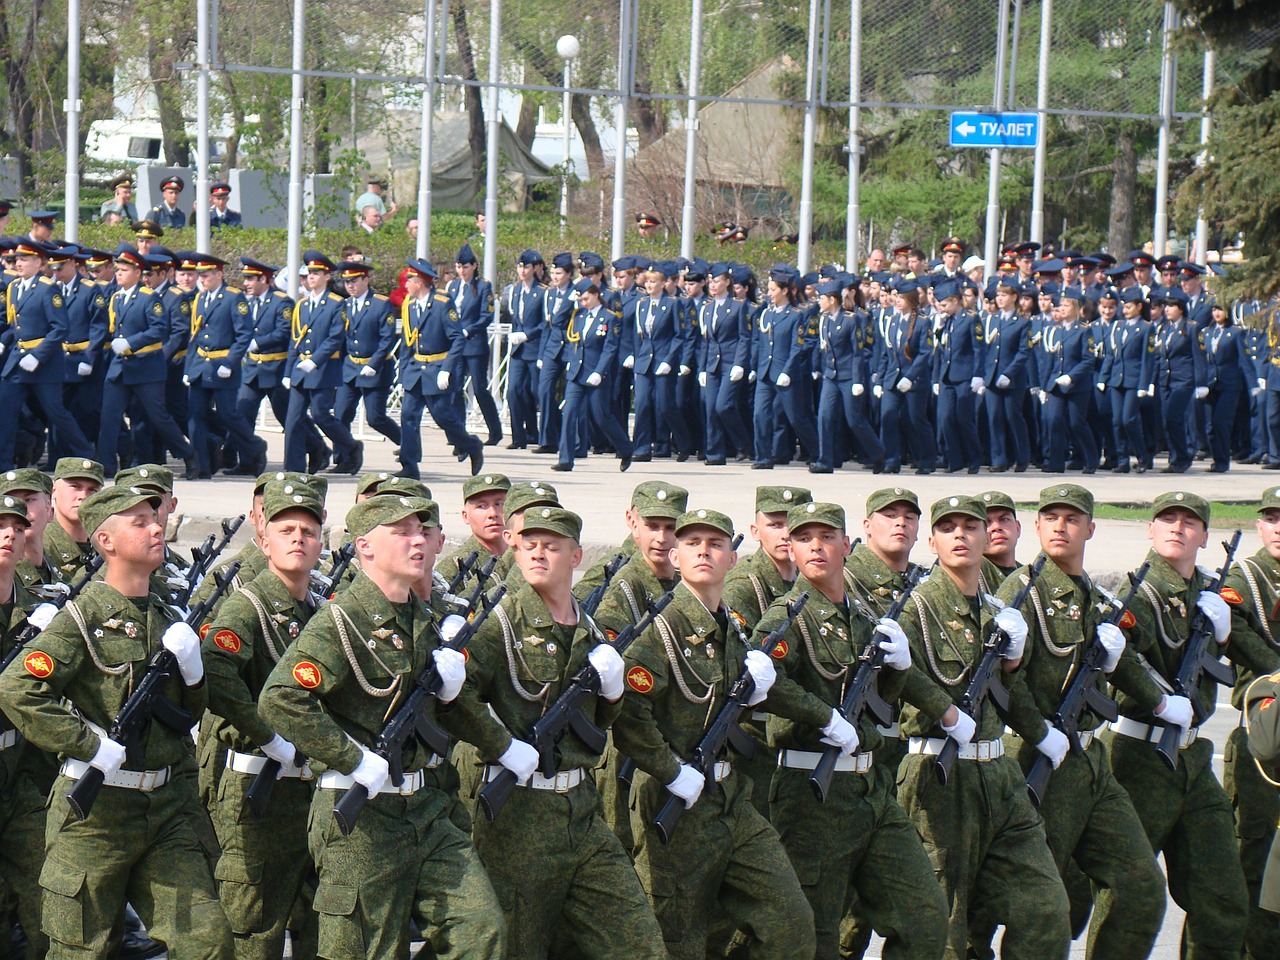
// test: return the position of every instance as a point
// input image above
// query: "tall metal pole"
(618, 244)
(493, 145)
(1014, 36)
(805, 245)
(1160, 228)
(853, 214)
(691, 132)
(424, 146)
(1042, 135)
(568, 48)
(1206, 128)
(295, 145)
(202, 126)
(993, 182)
(72, 107)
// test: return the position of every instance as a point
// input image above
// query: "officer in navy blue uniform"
(557, 307)
(902, 385)
(1229, 372)
(723, 358)
(313, 372)
(591, 267)
(521, 307)
(367, 366)
(785, 338)
(626, 271)
(473, 299)
(433, 345)
(167, 213)
(661, 333)
(136, 327)
(1199, 301)
(158, 274)
(1067, 387)
(1180, 377)
(177, 298)
(84, 368)
(34, 364)
(1007, 369)
(591, 359)
(839, 362)
(959, 362)
(221, 329)
(219, 214)
(1126, 375)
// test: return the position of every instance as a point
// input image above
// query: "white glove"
(186, 381)
(224, 373)
(521, 759)
(662, 370)
(1151, 389)
(1102, 388)
(702, 379)
(1037, 391)
(839, 732)
(684, 371)
(816, 376)
(519, 338)
(442, 380)
(859, 389)
(783, 381)
(877, 391)
(897, 651)
(1262, 383)
(29, 363)
(284, 382)
(305, 365)
(119, 345)
(1015, 627)
(253, 348)
(109, 758)
(735, 373)
(1112, 639)
(1044, 398)
(180, 640)
(1142, 394)
(372, 772)
(539, 363)
(42, 615)
(1054, 746)
(977, 384)
(687, 785)
(451, 668)
(1002, 382)
(937, 389)
(751, 377)
(594, 380)
(84, 369)
(962, 730)
(1201, 392)
(629, 362)
(762, 672)
(281, 751)
(608, 664)
(1219, 614)
(1063, 381)
(904, 385)
(1175, 710)
(1255, 391)
(368, 371)
(450, 626)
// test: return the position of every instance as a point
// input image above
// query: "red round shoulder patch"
(1128, 621)
(38, 664)
(1232, 596)
(781, 650)
(466, 655)
(227, 640)
(307, 674)
(639, 679)
(204, 631)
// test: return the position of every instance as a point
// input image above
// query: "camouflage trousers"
(22, 823)
(1257, 810)
(561, 875)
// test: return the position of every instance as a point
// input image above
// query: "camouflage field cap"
(781, 499)
(110, 501)
(152, 476)
(26, 479)
(657, 498)
(827, 514)
(281, 495)
(965, 506)
(880, 499)
(14, 507)
(1182, 500)
(75, 468)
(380, 511)
(996, 499)
(704, 518)
(484, 483)
(1067, 495)
(556, 520)
(530, 493)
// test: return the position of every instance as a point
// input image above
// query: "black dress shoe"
(1273, 465)
(894, 469)
(494, 440)
(924, 471)
(681, 457)
(517, 446)
(1120, 468)
(762, 465)
(318, 460)
(817, 468)
(997, 469)
(742, 457)
(546, 448)
(715, 462)
(135, 944)
(477, 458)
(624, 464)
(1087, 471)
(561, 467)
(1218, 468)
(356, 460)
(641, 457)
(972, 470)
(1139, 467)
(216, 460)
(1180, 468)
(193, 468)
(1251, 460)
(1020, 467)
(878, 467)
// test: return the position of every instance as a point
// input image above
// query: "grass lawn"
(1224, 514)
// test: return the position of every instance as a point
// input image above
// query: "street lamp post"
(568, 48)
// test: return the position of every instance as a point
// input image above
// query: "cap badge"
(661, 494)
(702, 514)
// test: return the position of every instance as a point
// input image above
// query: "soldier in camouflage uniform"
(1089, 818)
(1003, 531)
(264, 863)
(1185, 812)
(1253, 591)
(330, 695)
(724, 856)
(1262, 722)
(529, 493)
(595, 573)
(483, 500)
(556, 866)
(985, 839)
(858, 844)
(66, 545)
(137, 841)
(34, 489)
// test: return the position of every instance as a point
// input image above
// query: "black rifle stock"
(1198, 661)
(985, 681)
(146, 701)
(566, 714)
(592, 602)
(861, 694)
(202, 564)
(1083, 694)
(410, 718)
(724, 730)
(464, 568)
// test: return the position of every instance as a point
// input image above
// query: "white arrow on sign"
(966, 128)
